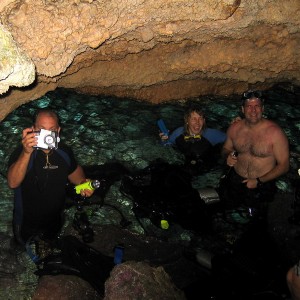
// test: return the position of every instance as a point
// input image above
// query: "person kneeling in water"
(196, 141)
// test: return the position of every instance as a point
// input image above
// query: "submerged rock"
(138, 280)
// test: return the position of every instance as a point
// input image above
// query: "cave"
(120, 60)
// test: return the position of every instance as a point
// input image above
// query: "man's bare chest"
(256, 145)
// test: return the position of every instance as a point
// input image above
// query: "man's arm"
(17, 171)
(282, 156)
(228, 151)
(228, 144)
(78, 176)
(227, 148)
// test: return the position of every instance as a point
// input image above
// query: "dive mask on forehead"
(252, 94)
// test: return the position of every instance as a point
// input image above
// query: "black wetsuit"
(198, 149)
(201, 151)
(235, 194)
(200, 154)
(39, 200)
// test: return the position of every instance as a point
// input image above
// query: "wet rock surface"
(64, 287)
(137, 280)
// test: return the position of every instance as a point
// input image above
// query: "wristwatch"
(259, 183)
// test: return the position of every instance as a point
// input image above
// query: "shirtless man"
(262, 150)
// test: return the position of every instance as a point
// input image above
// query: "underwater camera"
(47, 139)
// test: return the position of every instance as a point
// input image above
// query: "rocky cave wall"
(154, 50)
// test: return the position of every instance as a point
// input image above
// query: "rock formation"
(155, 50)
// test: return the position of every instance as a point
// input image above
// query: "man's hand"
(231, 159)
(236, 119)
(86, 192)
(29, 140)
(250, 183)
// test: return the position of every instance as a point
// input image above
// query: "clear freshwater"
(107, 129)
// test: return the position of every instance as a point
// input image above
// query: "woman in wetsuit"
(199, 144)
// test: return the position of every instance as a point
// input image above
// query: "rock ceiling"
(154, 50)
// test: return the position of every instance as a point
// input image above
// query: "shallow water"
(107, 129)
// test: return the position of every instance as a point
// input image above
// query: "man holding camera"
(38, 171)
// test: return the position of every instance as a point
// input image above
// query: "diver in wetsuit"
(38, 177)
(199, 144)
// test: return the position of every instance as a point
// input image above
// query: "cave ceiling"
(153, 51)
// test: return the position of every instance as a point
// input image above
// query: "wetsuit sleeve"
(214, 136)
(175, 134)
(73, 163)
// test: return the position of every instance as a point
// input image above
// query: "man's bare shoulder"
(235, 126)
(271, 128)
(272, 125)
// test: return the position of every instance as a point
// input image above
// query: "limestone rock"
(66, 287)
(138, 280)
(157, 50)
(16, 67)
(130, 280)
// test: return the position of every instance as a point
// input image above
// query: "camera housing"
(47, 139)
